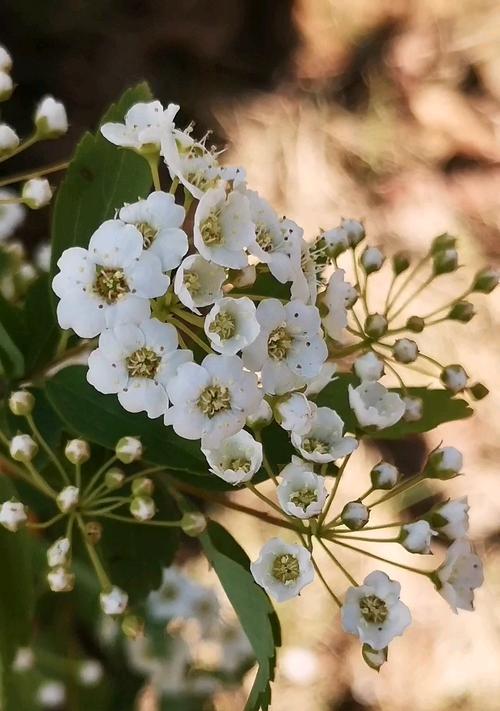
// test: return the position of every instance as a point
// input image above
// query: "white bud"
(451, 518)
(128, 449)
(142, 486)
(5, 60)
(454, 378)
(244, 277)
(23, 448)
(142, 508)
(355, 231)
(57, 554)
(12, 515)
(261, 417)
(114, 602)
(384, 475)
(9, 140)
(414, 408)
(355, 515)
(90, 672)
(50, 118)
(375, 325)
(60, 579)
(114, 478)
(375, 658)
(405, 350)
(51, 694)
(193, 523)
(21, 402)
(372, 259)
(36, 193)
(24, 659)
(68, 498)
(444, 463)
(335, 241)
(369, 367)
(416, 537)
(6, 86)
(77, 451)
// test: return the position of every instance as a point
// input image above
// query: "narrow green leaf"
(42, 331)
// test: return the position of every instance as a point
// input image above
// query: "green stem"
(251, 487)
(194, 320)
(412, 296)
(183, 327)
(48, 449)
(448, 305)
(102, 576)
(335, 536)
(88, 489)
(265, 461)
(333, 492)
(411, 274)
(47, 524)
(382, 560)
(21, 147)
(173, 186)
(327, 587)
(162, 524)
(22, 177)
(339, 565)
(400, 489)
(153, 167)
(42, 484)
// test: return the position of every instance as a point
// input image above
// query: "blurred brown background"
(386, 110)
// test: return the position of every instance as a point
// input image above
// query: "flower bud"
(23, 448)
(416, 537)
(77, 451)
(261, 417)
(375, 325)
(193, 523)
(50, 118)
(442, 242)
(13, 515)
(451, 518)
(9, 140)
(61, 580)
(90, 672)
(374, 658)
(142, 486)
(485, 280)
(242, 278)
(478, 391)
(114, 478)
(414, 408)
(6, 86)
(369, 367)
(415, 324)
(405, 350)
(372, 259)
(454, 378)
(355, 515)
(5, 60)
(24, 659)
(58, 552)
(93, 532)
(355, 231)
(400, 263)
(335, 241)
(132, 626)
(128, 450)
(142, 508)
(445, 261)
(444, 463)
(463, 311)
(21, 402)
(68, 498)
(36, 193)
(384, 476)
(113, 602)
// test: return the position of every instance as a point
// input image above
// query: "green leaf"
(439, 406)
(12, 334)
(251, 604)
(100, 178)
(42, 331)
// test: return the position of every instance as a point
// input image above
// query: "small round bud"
(463, 311)
(77, 451)
(400, 263)
(93, 532)
(454, 378)
(335, 241)
(142, 486)
(61, 580)
(114, 478)
(242, 278)
(128, 450)
(415, 324)
(50, 118)
(414, 408)
(9, 140)
(444, 463)
(384, 476)
(405, 350)
(5, 60)
(355, 515)
(375, 325)
(355, 231)
(58, 552)
(132, 626)
(369, 367)
(485, 280)
(416, 537)
(114, 601)
(372, 259)
(478, 391)
(374, 658)
(51, 694)
(36, 193)
(24, 660)
(68, 498)
(21, 402)
(6, 86)
(142, 508)
(13, 515)
(442, 242)
(444, 262)
(90, 672)
(261, 417)
(193, 523)
(23, 448)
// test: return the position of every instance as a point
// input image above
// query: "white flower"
(113, 602)
(459, 575)
(137, 362)
(451, 518)
(324, 441)
(8, 138)
(144, 126)
(355, 515)
(6, 86)
(36, 193)
(372, 259)
(231, 325)
(301, 492)
(142, 508)
(454, 378)
(282, 569)
(335, 241)
(128, 449)
(205, 609)
(90, 672)
(50, 118)
(60, 579)
(290, 349)
(324, 378)
(304, 285)
(5, 59)
(51, 694)
(11, 216)
(375, 406)
(335, 301)
(24, 659)
(198, 282)
(416, 537)
(174, 597)
(77, 451)
(444, 463)
(159, 219)
(23, 448)
(373, 611)
(414, 407)
(108, 284)
(12, 515)
(58, 552)
(405, 350)
(262, 416)
(295, 413)
(384, 475)
(211, 401)
(236, 459)
(68, 498)
(369, 367)
(223, 228)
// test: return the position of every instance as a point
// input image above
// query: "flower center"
(373, 609)
(148, 233)
(110, 284)
(192, 282)
(304, 497)
(240, 464)
(224, 325)
(279, 343)
(143, 363)
(264, 238)
(314, 445)
(214, 399)
(211, 230)
(202, 181)
(286, 568)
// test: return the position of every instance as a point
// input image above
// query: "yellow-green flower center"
(286, 568)
(110, 284)
(192, 282)
(202, 181)
(240, 464)
(148, 233)
(373, 609)
(279, 343)
(143, 363)
(264, 238)
(214, 399)
(211, 230)
(224, 325)
(304, 497)
(314, 445)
